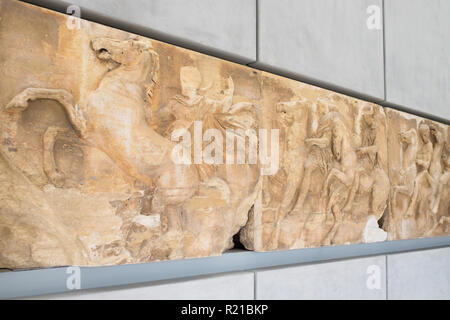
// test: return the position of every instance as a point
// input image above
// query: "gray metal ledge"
(16, 284)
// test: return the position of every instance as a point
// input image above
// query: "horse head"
(408, 137)
(290, 111)
(135, 61)
(124, 52)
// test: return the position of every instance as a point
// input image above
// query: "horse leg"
(353, 190)
(379, 193)
(305, 184)
(412, 204)
(437, 199)
(337, 215)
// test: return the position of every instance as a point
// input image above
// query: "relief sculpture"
(118, 149)
(94, 156)
(419, 177)
(115, 121)
(333, 186)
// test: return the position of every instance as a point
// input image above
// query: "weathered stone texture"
(419, 171)
(332, 186)
(88, 174)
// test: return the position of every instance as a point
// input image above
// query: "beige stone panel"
(419, 171)
(332, 186)
(115, 149)
(87, 114)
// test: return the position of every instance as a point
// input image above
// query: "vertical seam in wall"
(387, 288)
(254, 285)
(256, 34)
(384, 50)
(257, 30)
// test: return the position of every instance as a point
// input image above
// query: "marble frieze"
(116, 149)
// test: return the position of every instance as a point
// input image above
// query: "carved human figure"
(340, 178)
(408, 170)
(192, 105)
(444, 181)
(293, 117)
(369, 162)
(185, 108)
(424, 179)
(319, 155)
(215, 110)
(294, 121)
(437, 166)
(331, 152)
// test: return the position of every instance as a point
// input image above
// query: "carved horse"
(114, 121)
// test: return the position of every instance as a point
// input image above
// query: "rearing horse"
(114, 121)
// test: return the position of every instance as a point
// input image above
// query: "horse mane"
(154, 77)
